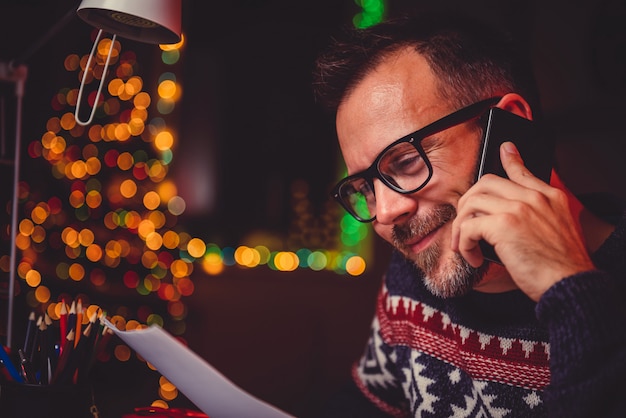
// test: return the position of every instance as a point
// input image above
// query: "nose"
(393, 207)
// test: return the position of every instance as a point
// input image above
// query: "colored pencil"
(6, 360)
(30, 333)
(79, 321)
(62, 321)
(66, 352)
(51, 341)
(26, 368)
(71, 324)
(44, 356)
(70, 369)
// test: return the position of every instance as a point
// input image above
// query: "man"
(542, 332)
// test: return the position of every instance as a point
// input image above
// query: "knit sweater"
(500, 355)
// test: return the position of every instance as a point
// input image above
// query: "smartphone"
(502, 126)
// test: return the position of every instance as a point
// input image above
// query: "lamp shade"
(150, 21)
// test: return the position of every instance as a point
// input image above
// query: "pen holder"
(19, 400)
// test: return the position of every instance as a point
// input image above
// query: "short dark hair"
(471, 59)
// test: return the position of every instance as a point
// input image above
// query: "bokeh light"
(109, 224)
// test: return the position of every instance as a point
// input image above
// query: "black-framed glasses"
(402, 166)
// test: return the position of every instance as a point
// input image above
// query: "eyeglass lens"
(401, 167)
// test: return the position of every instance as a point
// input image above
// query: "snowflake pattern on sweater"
(422, 358)
(487, 355)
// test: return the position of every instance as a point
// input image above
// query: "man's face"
(396, 98)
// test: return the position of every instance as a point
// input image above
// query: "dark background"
(248, 124)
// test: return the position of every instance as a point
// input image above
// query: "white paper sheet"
(201, 383)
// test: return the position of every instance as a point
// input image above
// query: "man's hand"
(530, 224)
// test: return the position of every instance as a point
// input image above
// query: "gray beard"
(445, 278)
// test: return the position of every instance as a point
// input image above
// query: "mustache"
(419, 227)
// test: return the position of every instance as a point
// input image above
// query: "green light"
(185, 256)
(62, 271)
(170, 57)
(159, 271)
(372, 13)
(140, 156)
(167, 156)
(167, 76)
(141, 289)
(228, 256)
(93, 184)
(165, 106)
(352, 231)
(155, 319)
(317, 260)
(212, 248)
(303, 255)
(349, 240)
(270, 262)
(177, 327)
(349, 225)
(82, 213)
(264, 253)
(121, 216)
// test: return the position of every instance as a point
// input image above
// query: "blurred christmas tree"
(100, 222)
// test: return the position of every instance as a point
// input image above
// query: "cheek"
(384, 231)
(447, 185)
(458, 173)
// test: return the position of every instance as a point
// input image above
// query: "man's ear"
(516, 104)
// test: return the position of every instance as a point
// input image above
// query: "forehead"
(405, 73)
(395, 98)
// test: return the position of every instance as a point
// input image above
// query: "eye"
(401, 160)
(406, 163)
(365, 189)
(357, 186)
